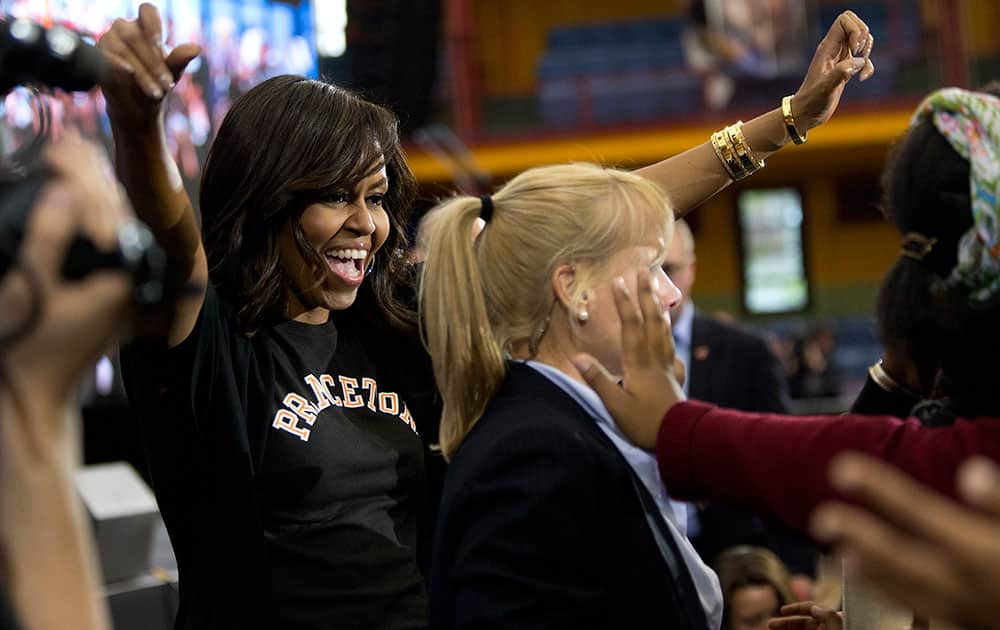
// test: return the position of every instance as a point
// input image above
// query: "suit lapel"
(701, 357)
(525, 381)
(688, 599)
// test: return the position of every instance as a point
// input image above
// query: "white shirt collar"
(645, 466)
(683, 326)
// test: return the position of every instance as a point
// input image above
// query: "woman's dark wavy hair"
(285, 144)
(926, 187)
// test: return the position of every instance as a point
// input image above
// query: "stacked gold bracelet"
(735, 154)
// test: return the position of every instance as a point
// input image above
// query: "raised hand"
(650, 386)
(807, 616)
(940, 558)
(844, 52)
(142, 72)
(72, 321)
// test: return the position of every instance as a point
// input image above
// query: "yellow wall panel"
(981, 19)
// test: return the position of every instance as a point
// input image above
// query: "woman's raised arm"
(135, 91)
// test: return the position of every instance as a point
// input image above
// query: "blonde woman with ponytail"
(548, 517)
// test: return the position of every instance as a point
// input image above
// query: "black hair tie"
(486, 212)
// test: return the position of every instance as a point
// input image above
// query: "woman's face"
(750, 607)
(600, 334)
(346, 231)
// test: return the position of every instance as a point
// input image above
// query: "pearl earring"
(582, 315)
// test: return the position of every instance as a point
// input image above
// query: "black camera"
(59, 58)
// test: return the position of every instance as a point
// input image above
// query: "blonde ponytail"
(468, 361)
(479, 297)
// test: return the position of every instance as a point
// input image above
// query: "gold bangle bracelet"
(724, 151)
(887, 383)
(793, 131)
(734, 133)
(714, 141)
(728, 155)
(743, 151)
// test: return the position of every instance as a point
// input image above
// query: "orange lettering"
(323, 396)
(372, 387)
(388, 403)
(331, 384)
(302, 407)
(288, 421)
(351, 398)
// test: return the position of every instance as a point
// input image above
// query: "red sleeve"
(777, 465)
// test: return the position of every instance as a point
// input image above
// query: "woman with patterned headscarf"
(938, 385)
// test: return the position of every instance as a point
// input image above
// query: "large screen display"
(243, 43)
(774, 267)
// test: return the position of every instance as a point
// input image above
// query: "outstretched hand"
(807, 616)
(651, 384)
(844, 52)
(928, 552)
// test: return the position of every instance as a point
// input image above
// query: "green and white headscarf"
(971, 123)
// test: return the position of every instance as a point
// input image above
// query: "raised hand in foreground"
(53, 330)
(807, 616)
(936, 556)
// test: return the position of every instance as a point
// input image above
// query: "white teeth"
(348, 253)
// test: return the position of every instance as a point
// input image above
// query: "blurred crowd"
(810, 363)
(250, 41)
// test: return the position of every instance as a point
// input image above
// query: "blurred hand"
(843, 53)
(928, 552)
(807, 616)
(680, 371)
(77, 320)
(142, 73)
(650, 386)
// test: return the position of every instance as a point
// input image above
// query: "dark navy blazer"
(543, 524)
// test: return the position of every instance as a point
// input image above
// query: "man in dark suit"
(730, 367)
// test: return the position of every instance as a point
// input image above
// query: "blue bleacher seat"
(857, 346)
(628, 71)
(897, 32)
(564, 37)
(680, 94)
(559, 104)
(636, 70)
(557, 66)
(881, 84)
